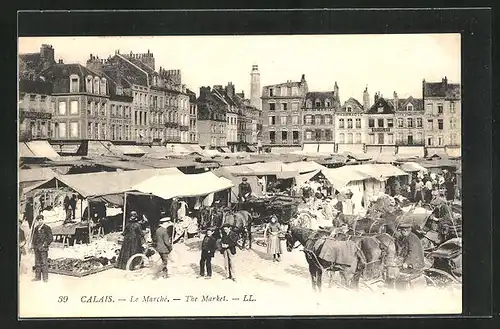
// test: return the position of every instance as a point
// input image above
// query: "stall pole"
(81, 209)
(124, 210)
(89, 219)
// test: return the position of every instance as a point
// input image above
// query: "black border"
(474, 26)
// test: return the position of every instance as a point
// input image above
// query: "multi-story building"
(318, 126)
(81, 102)
(160, 104)
(281, 111)
(350, 126)
(409, 127)
(442, 127)
(193, 117)
(36, 107)
(380, 128)
(211, 120)
(120, 113)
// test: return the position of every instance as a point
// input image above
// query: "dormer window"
(309, 104)
(271, 92)
(74, 83)
(409, 107)
(349, 108)
(380, 109)
(96, 85)
(317, 103)
(88, 84)
(328, 103)
(103, 86)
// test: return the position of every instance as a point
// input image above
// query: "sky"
(385, 63)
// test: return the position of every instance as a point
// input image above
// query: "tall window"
(341, 123)
(358, 122)
(317, 119)
(410, 122)
(410, 139)
(381, 138)
(283, 120)
(440, 140)
(380, 123)
(73, 130)
(62, 129)
(272, 136)
(390, 123)
(390, 138)
(399, 137)
(308, 135)
(96, 85)
(73, 107)
(371, 123)
(440, 124)
(371, 138)
(284, 91)
(453, 139)
(440, 108)
(295, 120)
(419, 138)
(295, 106)
(62, 108)
(272, 120)
(453, 124)
(272, 106)
(430, 140)
(328, 119)
(308, 119)
(284, 135)
(419, 122)
(284, 106)
(103, 86)
(295, 135)
(349, 138)
(89, 130)
(429, 109)
(341, 138)
(358, 138)
(452, 107)
(430, 124)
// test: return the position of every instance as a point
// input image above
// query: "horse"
(371, 255)
(309, 239)
(241, 222)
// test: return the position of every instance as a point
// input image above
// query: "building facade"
(160, 106)
(281, 113)
(442, 131)
(380, 127)
(36, 107)
(350, 127)
(211, 120)
(318, 120)
(193, 117)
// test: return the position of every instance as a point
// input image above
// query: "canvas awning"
(24, 151)
(302, 178)
(310, 148)
(304, 166)
(36, 174)
(326, 148)
(128, 149)
(380, 171)
(252, 148)
(169, 186)
(267, 168)
(42, 149)
(412, 167)
(99, 148)
(287, 174)
(105, 183)
(340, 177)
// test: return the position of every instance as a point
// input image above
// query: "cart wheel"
(140, 270)
(304, 220)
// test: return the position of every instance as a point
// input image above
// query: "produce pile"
(96, 249)
(78, 265)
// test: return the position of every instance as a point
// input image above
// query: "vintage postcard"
(185, 176)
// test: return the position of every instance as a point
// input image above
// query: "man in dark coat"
(133, 239)
(228, 242)
(42, 238)
(174, 207)
(208, 246)
(72, 203)
(28, 212)
(244, 190)
(67, 209)
(411, 251)
(163, 245)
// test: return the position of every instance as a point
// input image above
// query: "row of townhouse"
(296, 118)
(226, 120)
(121, 98)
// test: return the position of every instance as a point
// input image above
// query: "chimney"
(230, 89)
(61, 61)
(396, 101)
(204, 92)
(303, 78)
(375, 98)
(336, 92)
(366, 99)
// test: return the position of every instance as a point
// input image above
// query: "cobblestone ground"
(278, 288)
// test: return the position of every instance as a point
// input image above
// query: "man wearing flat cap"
(411, 251)
(229, 242)
(208, 246)
(42, 238)
(164, 244)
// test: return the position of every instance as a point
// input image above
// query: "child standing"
(208, 247)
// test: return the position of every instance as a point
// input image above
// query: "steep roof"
(35, 87)
(442, 89)
(386, 107)
(321, 95)
(418, 103)
(59, 74)
(354, 103)
(286, 84)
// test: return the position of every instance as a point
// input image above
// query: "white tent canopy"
(412, 167)
(304, 166)
(170, 186)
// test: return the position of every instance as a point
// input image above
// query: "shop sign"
(381, 130)
(36, 115)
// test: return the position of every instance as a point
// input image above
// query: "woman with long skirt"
(271, 232)
(132, 241)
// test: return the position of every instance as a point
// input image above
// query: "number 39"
(62, 299)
